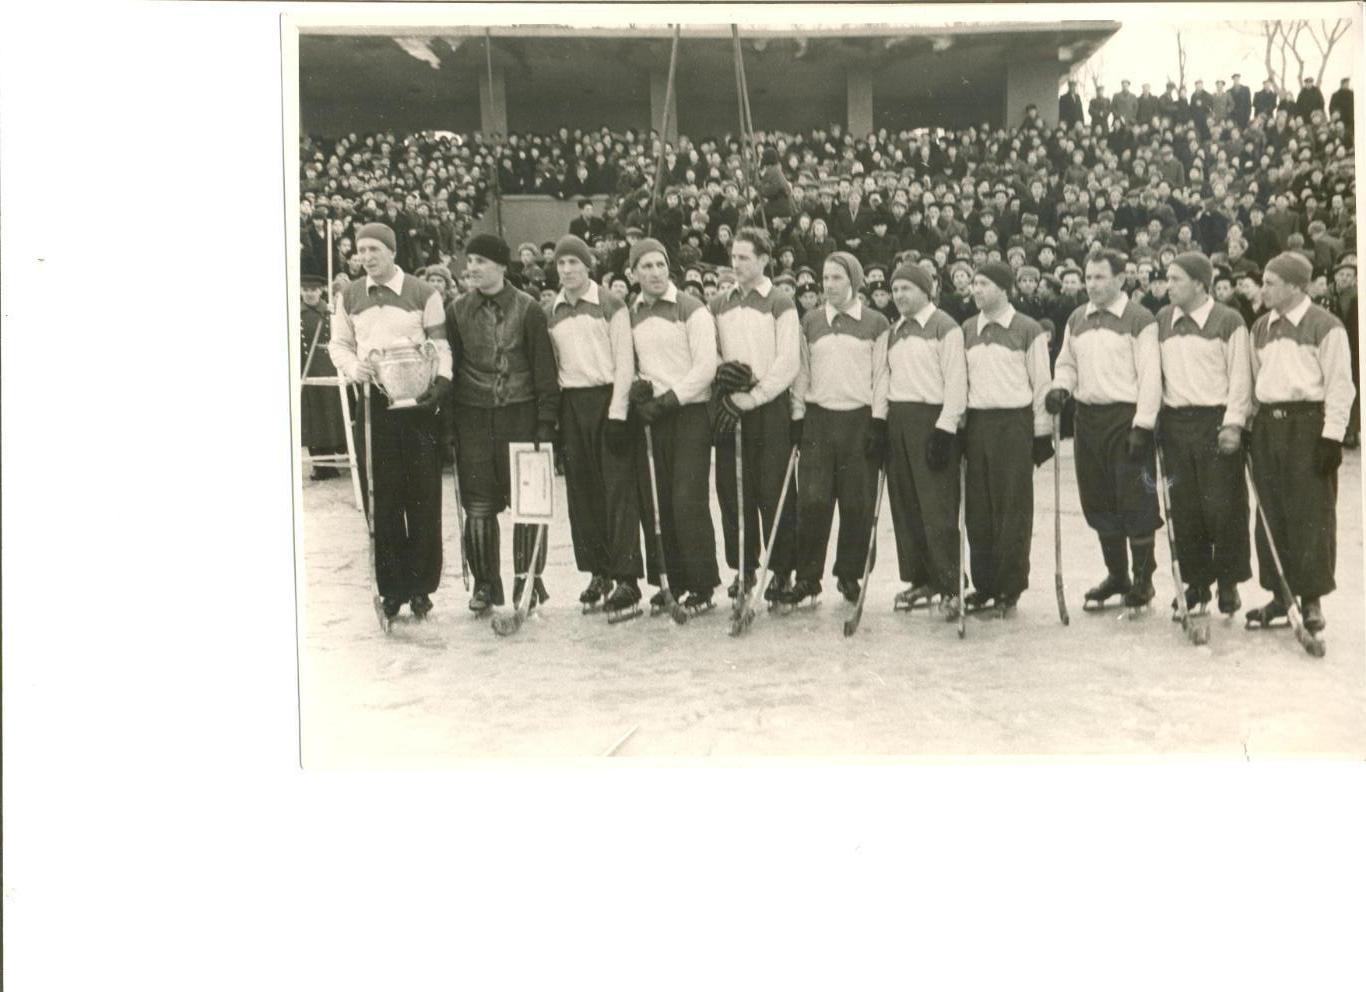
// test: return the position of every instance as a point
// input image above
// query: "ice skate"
(591, 599)
(1197, 603)
(485, 597)
(659, 603)
(1313, 615)
(848, 588)
(977, 601)
(735, 593)
(421, 605)
(1138, 601)
(1229, 601)
(914, 598)
(698, 602)
(1097, 596)
(804, 594)
(1274, 614)
(538, 592)
(776, 590)
(623, 602)
(1006, 606)
(392, 604)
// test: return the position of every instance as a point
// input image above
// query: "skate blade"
(589, 609)
(912, 606)
(385, 623)
(1279, 624)
(1098, 606)
(1132, 613)
(697, 611)
(621, 616)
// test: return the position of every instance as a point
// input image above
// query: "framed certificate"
(533, 482)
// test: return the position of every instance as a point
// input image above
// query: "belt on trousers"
(1299, 408)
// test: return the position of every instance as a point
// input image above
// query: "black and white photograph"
(675, 496)
(955, 383)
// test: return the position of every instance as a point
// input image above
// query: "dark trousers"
(682, 450)
(1300, 504)
(1000, 499)
(407, 517)
(1118, 495)
(765, 447)
(482, 435)
(923, 502)
(604, 518)
(834, 470)
(1208, 498)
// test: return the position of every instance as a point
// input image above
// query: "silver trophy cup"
(404, 372)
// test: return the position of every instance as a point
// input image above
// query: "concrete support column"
(659, 87)
(1032, 82)
(493, 106)
(859, 92)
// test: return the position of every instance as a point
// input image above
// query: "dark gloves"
(641, 393)
(1327, 455)
(438, 391)
(794, 432)
(875, 441)
(734, 377)
(727, 415)
(1055, 401)
(1043, 450)
(939, 450)
(546, 433)
(1139, 441)
(618, 437)
(657, 409)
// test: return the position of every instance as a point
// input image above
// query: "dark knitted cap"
(1195, 265)
(572, 246)
(382, 233)
(999, 273)
(915, 275)
(489, 246)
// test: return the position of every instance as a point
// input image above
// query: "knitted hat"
(572, 246)
(440, 271)
(644, 247)
(1195, 265)
(382, 233)
(1027, 272)
(1292, 267)
(851, 266)
(999, 273)
(489, 246)
(915, 275)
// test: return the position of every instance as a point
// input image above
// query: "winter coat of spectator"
(1341, 104)
(1310, 99)
(1265, 100)
(1124, 106)
(1069, 107)
(1242, 101)
(1148, 106)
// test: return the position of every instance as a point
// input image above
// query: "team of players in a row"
(852, 392)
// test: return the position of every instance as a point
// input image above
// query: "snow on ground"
(568, 686)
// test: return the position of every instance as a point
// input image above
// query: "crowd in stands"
(1241, 176)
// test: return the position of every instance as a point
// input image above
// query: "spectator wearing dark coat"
(1341, 104)
(1310, 98)
(1265, 101)
(1242, 101)
(1148, 106)
(1069, 106)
